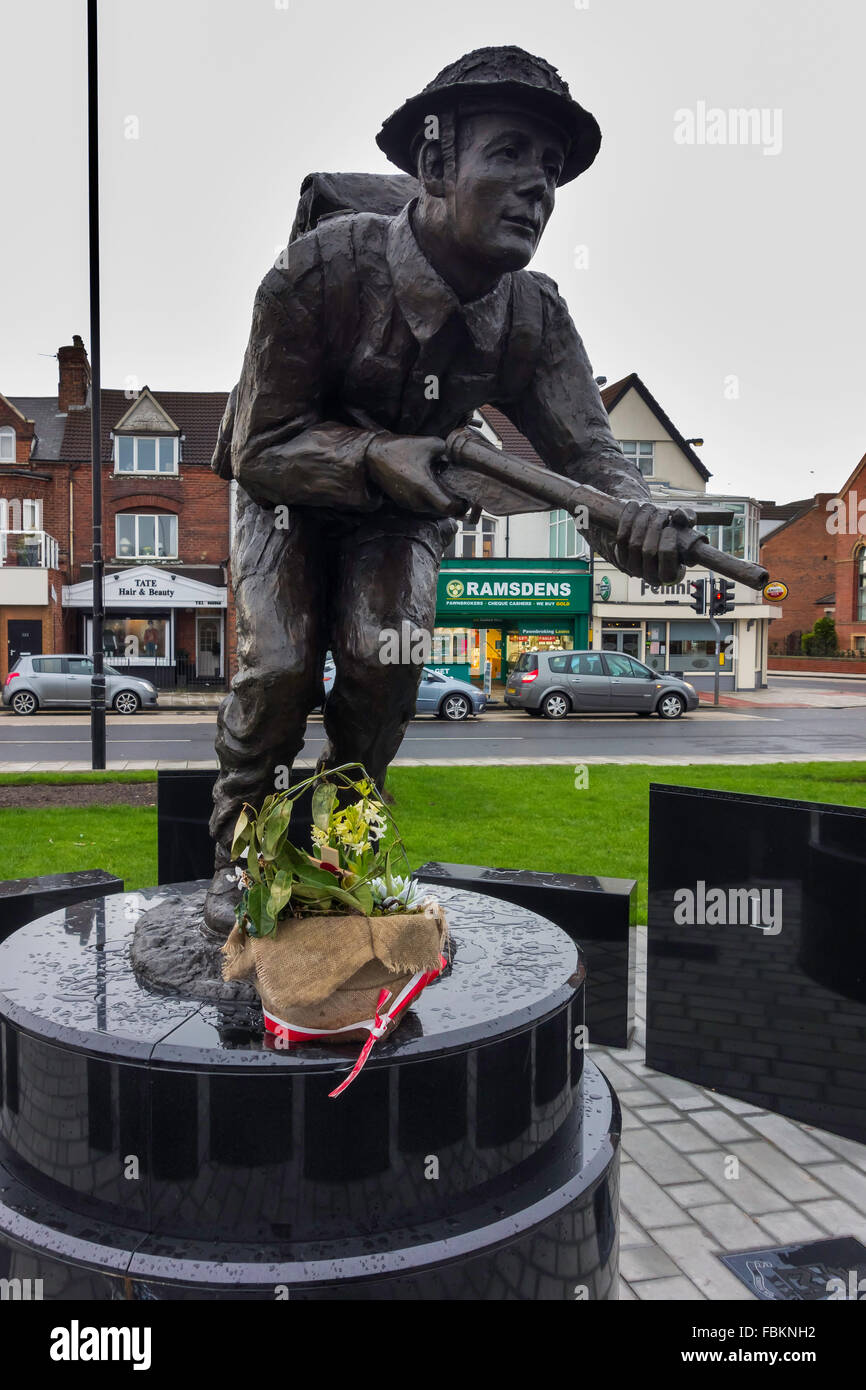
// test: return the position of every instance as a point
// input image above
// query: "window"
(79, 666)
(145, 453)
(133, 638)
(21, 515)
(640, 453)
(731, 539)
(7, 444)
(144, 536)
(48, 665)
(474, 541)
(861, 584)
(587, 664)
(566, 542)
(559, 665)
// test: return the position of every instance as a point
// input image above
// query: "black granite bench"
(22, 900)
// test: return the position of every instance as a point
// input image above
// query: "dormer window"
(7, 444)
(145, 453)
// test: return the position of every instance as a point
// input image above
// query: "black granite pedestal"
(157, 1148)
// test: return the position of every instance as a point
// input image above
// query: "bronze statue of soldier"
(372, 340)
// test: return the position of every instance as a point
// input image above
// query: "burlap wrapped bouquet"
(321, 972)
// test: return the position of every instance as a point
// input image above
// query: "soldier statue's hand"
(647, 541)
(402, 466)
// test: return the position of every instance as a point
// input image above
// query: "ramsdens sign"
(503, 591)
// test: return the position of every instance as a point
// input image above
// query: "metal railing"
(28, 550)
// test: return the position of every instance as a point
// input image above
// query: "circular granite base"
(153, 1146)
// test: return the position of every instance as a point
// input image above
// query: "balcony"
(27, 550)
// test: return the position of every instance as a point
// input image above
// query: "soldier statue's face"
(508, 165)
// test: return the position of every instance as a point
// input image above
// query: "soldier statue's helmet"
(489, 79)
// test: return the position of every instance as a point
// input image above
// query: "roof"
(197, 413)
(787, 513)
(42, 410)
(513, 442)
(612, 395)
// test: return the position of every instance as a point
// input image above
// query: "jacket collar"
(427, 302)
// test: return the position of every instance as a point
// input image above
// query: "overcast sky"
(729, 276)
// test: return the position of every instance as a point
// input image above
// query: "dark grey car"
(37, 682)
(555, 684)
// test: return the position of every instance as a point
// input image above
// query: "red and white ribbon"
(377, 1026)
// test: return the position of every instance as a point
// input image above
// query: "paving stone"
(656, 1114)
(630, 1120)
(737, 1107)
(693, 1194)
(789, 1226)
(687, 1137)
(619, 1079)
(836, 1217)
(747, 1191)
(630, 1233)
(794, 1182)
(846, 1148)
(673, 1088)
(645, 1262)
(842, 1179)
(646, 1201)
(698, 1257)
(721, 1125)
(625, 1293)
(728, 1225)
(692, 1102)
(658, 1158)
(675, 1289)
(790, 1138)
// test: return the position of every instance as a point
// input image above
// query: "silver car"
(555, 684)
(40, 682)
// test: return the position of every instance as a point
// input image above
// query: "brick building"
(819, 551)
(800, 552)
(165, 528)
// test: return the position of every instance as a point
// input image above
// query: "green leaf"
(363, 895)
(274, 830)
(323, 803)
(241, 835)
(281, 892)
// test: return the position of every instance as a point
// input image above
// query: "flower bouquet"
(336, 942)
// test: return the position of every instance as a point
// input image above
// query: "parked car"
(448, 698)
(40, 682)
(437, 694)
(555, 684)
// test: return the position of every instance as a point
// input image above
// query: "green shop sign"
(512, 588)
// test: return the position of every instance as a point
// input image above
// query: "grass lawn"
(507, 817)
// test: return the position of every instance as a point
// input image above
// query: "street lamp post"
(97, 687)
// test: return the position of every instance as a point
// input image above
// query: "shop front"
(658, 625)
(489, 611)
(166, 627)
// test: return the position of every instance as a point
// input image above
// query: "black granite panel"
(24, 900)
(762, 997)
(597, 913)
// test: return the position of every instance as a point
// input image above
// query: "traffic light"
(721, 597)
(698, 589)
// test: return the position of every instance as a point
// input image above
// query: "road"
(172, 739)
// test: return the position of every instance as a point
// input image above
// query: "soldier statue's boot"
(222, 896)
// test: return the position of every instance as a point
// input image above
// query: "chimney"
(74, 375)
